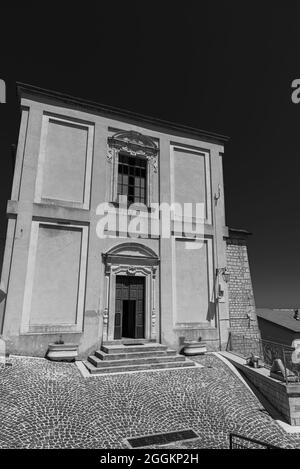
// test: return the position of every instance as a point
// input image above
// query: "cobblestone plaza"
(50, 405)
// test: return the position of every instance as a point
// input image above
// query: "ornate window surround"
(135, 144)
(130, 259)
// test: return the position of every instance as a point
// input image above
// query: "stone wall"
(284, 397)
(242, 316)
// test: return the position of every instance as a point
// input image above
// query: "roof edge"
(235, 233)
(283, 326)
(24, 88)
(291, 326)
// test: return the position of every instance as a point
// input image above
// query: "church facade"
(116, 230)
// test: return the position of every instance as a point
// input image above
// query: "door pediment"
(129, 253)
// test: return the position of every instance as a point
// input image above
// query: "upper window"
(132, 177)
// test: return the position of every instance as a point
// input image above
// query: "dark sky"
(225, 67)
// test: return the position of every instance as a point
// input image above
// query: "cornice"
(26, 90)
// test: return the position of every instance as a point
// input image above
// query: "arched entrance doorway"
(130, 310)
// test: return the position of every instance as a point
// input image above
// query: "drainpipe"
(216, 283)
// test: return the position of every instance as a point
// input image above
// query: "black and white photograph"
(149, 229)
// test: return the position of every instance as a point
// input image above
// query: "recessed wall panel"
(65, 162)
(193, 282)
(56, 276)
(191, 181)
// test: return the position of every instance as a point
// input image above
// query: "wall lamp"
(225, 274)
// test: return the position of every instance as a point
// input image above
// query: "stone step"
(111, 349)
(129, 341)
(133, 361)
(140, 354)
(150, 366)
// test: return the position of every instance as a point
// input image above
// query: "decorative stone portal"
(130, 285)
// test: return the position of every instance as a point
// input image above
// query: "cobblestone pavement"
(50, 405)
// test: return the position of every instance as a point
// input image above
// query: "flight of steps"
(118, 357)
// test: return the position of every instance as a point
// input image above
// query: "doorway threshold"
(129, 341)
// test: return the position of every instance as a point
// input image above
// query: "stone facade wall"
(66, 165)
(242, 316)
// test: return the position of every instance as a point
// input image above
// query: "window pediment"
(134, 143)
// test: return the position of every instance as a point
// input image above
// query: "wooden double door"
(130, 307)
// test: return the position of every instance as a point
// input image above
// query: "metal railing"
(287, 362)
(242, 442)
